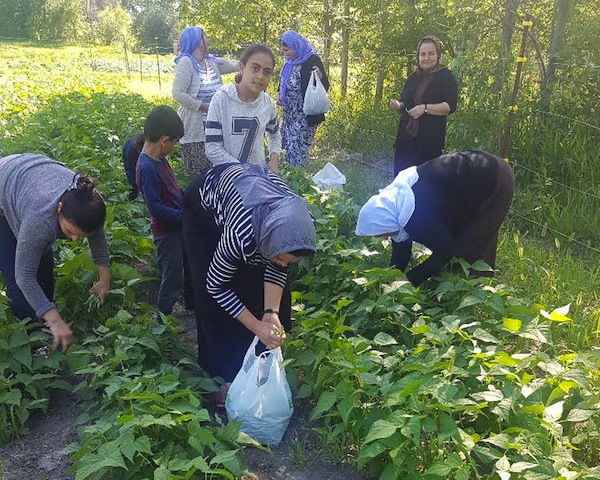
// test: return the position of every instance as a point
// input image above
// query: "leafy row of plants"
(458, 379)
(143, 397)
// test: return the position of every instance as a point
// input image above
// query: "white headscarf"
(390, 210)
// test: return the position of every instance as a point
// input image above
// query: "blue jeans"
(45, 275)
(169, 258)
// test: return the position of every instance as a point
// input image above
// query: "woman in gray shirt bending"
(41, 201)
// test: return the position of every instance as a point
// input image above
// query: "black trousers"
(45, 274)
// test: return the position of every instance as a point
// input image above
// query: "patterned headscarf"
(189, 40)
(390, 210)
(303, 50)
(281, 220)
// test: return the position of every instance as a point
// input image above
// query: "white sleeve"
(214, 145)
(273, 131)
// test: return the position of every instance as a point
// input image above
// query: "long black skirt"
(222, 339)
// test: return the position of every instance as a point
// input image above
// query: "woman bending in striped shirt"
(242, 227)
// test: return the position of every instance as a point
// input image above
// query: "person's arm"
(273, 134)
(227, 66)
(322, 74)
(437, 109)
(31, 244)
(181, 83)
(222, 269)
(61, 332)
(214, 143)
(99, 250)
(27, 261)
(397, 105)
(434, 235)
(449, 90)
(151, 185)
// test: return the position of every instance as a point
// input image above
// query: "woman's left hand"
(417, 111)
(317, 70)
(100, 288)
(270, 332)
(273, 163)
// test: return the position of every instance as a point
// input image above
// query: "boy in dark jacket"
(164, 199)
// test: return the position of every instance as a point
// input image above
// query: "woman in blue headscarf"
(197, 78)
(297, 129)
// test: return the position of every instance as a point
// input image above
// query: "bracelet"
(270, 310)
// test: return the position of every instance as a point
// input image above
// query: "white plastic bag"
(329, 178)
(316, 100)
(260, 396)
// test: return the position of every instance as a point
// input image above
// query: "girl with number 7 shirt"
(241, 114)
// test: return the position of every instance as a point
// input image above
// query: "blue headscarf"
(188, 42)
(303, 51)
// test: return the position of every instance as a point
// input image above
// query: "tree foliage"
(113, 26)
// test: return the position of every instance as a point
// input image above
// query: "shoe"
(221, 396)
(299, 376)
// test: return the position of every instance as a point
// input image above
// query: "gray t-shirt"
(30, 188)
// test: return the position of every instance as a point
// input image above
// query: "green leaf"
(578, 415)
(23, 356)
(470, 300)
(512, 324)
(18, 338)
(381, 429)
(419, 329)
(439, 469)
(383, 338)
(223, 457)
(553, 412)
(325, 403)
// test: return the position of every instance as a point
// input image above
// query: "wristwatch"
(425, 108)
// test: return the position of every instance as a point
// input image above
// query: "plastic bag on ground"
(260, 396)
(329, 178)
(316, 100)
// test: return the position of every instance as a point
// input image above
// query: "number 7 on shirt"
(247, 126)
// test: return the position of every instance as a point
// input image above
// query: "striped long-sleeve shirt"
(237, 243)
(235, 130)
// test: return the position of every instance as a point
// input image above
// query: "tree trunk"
(381, 64)
(508, 27)
(327, 34)
(562, 9)
(345, 48)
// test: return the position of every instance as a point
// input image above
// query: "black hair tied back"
(83, 186)
(83, 205)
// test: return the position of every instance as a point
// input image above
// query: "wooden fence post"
(512, 108)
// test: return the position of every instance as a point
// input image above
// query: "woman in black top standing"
(429, 96)
(453, 204)
(297, 129)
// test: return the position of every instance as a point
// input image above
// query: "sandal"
(221, 396)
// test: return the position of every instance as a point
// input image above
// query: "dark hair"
(137, 141)
(431, 39)
(303, 252)
(83, 205)
(163, 121)
(251, 50)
